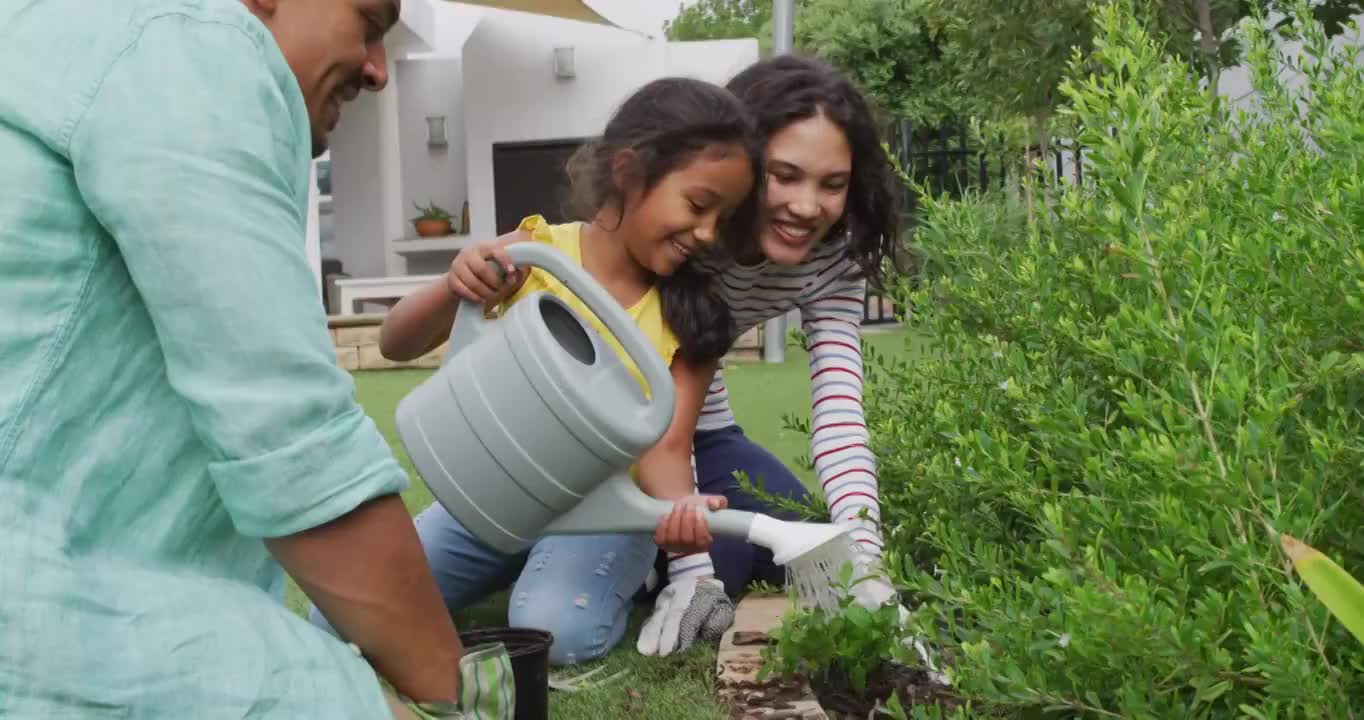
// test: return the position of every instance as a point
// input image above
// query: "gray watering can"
(531, 412)
(532, 422)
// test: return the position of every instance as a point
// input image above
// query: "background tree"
(724, 20)
(893, 52)
(886, 45)
(1202, 32)
(1012, 54)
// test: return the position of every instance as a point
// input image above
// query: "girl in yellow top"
(674, 166)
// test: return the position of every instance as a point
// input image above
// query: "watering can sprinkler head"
(790, 541)
(812, 553)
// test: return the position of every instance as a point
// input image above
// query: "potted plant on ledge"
(433, 221)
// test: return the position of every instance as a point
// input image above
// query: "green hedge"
(1130, 399)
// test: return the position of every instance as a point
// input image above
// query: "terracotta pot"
(432, 228)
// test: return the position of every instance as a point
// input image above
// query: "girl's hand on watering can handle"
(684, 530)
(472, 277)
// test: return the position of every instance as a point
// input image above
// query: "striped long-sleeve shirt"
(830, 297)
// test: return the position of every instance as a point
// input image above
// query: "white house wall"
(366, 168)
(512, 95)
(454, 22)
(312, 230)
(392, 215)
(431, 174)
(1235, 83)
(433, 83)
(357, 226)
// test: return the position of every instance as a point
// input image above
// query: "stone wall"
(356, 338)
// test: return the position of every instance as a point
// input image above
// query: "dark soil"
(772, 700)
(836, 694)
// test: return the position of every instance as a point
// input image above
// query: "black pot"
(529, 651)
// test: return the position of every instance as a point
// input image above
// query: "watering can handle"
(469, 323)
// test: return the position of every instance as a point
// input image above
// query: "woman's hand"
(685, 530)
(471, 277)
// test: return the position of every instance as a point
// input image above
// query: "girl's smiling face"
(809, 167)
(681, 215)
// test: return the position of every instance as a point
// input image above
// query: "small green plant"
(431, 212)
(853, 640)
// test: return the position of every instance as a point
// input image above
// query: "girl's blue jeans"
(719, 453)
(578, 587)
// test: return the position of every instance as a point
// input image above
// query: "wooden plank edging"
(739, 659)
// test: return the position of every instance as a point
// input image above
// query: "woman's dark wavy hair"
(666, 124)
(785, 89)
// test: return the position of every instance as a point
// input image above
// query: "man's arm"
(192, 152)
(367, 575)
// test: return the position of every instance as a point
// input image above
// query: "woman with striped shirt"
(829, 219)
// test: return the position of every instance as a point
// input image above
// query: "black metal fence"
(945, 161)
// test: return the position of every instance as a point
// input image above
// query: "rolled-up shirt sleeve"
(192, 151)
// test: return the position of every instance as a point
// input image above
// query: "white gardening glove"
(871, 588)
(874, 592)
(686, 609)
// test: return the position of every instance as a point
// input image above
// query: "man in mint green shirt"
(173, 425)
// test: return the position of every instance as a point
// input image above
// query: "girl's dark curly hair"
(785, 89)
(667, 124)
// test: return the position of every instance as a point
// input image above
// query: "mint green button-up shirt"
(168, 392)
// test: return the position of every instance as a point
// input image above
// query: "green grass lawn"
(656, 688)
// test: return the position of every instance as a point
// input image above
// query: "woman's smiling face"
(809, 166)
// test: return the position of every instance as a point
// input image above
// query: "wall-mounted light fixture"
(563, 62)
(435, 131)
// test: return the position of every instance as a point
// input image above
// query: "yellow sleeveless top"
(647, 312)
